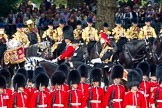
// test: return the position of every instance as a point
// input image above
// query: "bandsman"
(90, 35)
(74, 95)
(19, 98)
(3, 36)
(133, 31)
(95, 94)
(4, 100)
(147, 32)
(33, 34)
(145, 84)
(21, 36)
(69, 37)
(40, 97)
(134, 98)
(57, 97)
(78, 31)
(50, 35)
(118, 31)
(114, 96)
(105, 29)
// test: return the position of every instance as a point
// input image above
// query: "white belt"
(75, 104)
(117, 100)
(158, 100)
(58, 105)
(146, 95)
(95, 101)
(16, 107)
(45, 105)
(3, 107)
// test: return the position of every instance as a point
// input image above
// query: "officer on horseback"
(118, 31)
(90, 35)
(68, 37)
(105, 52)
(133, 31)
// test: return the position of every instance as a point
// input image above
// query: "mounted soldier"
(133, 31)
(147, 32)
(90, 35)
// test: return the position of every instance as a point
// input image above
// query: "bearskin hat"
(74, 77)
(83, 70)
(144, 66)
(159, 73)
(68, 33)
(153, 69)
(19, 81)
(31, 76)
(39, 70)
(62, 21)
(133, 79)
(89, 20)
(2, 82)
(6, 74)
(140, 73)
(58, 78)
(42, 80)
(64, 67)
(117, 71)
(96, 75)
(24, 72)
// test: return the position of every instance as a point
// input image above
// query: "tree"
(105, 13)
(7, 5)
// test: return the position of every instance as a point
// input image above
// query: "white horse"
(31, 62)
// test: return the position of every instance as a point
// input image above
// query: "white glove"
(55, 60)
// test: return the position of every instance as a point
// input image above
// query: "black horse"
(157, 50)
(133, 52)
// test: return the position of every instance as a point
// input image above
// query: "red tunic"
(43, 100)
(157, 91)
(21, 100)
(119, 92)
(68, 53)
(97, 97)
(134, 99)
(64, 87)
(83, 87)
(59, 101)
(77, 100)
(4, 100)
(145, 90)
(8, 91)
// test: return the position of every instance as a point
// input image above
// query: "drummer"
(21, 36)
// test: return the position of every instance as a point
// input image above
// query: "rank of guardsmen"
(70, 89)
